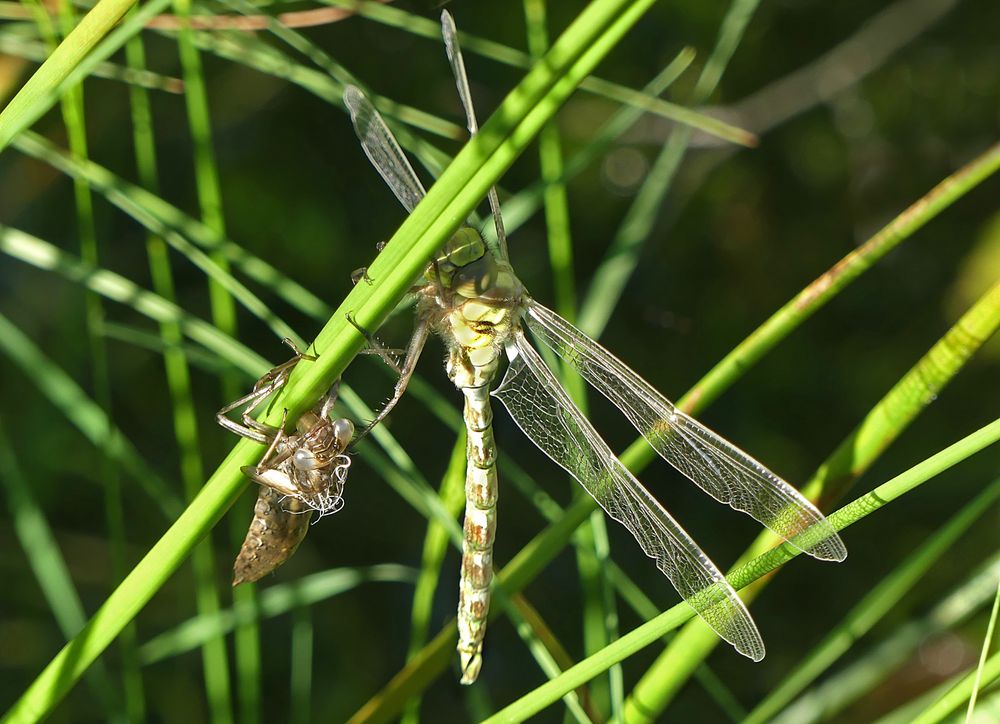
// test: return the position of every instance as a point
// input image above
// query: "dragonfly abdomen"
(480, 531)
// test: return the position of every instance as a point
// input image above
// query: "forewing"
(543, 410)
(382, 149)
(450, 34)
(717, 466)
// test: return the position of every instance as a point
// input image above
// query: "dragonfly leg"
(413, 350)
(375, 347)
(360, 274)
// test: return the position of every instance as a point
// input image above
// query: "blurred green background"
(882, 108)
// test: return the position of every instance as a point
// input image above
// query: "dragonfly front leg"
(413, 350)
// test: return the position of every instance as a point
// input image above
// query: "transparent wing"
(450, 34)
(543, 410)
(717, 466)
(382, 149)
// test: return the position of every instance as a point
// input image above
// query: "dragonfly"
(470, 297)
(299, 474)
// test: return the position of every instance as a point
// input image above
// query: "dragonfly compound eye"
(475, 278)
(464, 247)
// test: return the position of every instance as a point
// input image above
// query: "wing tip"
(830, 548)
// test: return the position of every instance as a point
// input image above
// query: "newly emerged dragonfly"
(300, 473)
(470, 297)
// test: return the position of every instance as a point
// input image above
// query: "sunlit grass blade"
(745, 575)
(882, 599)
(881, 426)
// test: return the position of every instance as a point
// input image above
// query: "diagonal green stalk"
(746, 574)
(478, 166)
